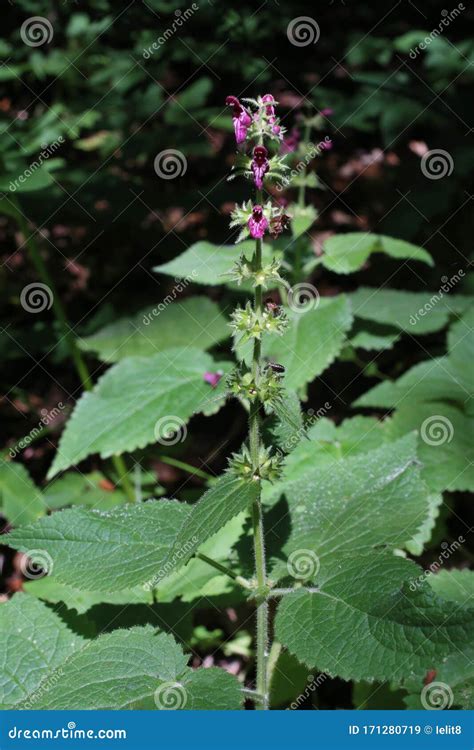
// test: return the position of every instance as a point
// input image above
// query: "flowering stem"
(257, 512)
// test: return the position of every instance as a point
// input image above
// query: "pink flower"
(212, 378)
(240, 118)
(260, 165)
(270, 108)
(257, 223)
(326, 112)
(326, 144)
(290, 143)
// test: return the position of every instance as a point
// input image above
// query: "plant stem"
(186, 467)
(76, 354)
(257, 512)
(224, 569)
(253, 695)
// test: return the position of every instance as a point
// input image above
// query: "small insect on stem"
(276, 367)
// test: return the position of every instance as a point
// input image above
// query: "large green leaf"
(414, 312)
(346, 253)
(45, 666)
(48, 589)
(365, 622)
(106, 550)
(428, 381)
(226, 498)
(196, 322)
(138, 401)
(359, 503)
(312, 341)
(205, 263)
(20, 500)
(34, 644)
(134, 544)
(446, 443)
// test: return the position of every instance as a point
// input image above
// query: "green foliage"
(138, 401)
(195, 322)
(20, 500)
(145, 668)
(349, 499)
(312, 341)
(346, 253)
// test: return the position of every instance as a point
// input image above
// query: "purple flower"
(326, 144)
(260, 165)
(240, 118)
(257, 223)
(327, 112)
(270, 108)
(290, 143)
(212, 378)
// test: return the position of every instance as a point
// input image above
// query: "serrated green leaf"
(302, 218)
(312, 341)
(35, 642)
(358, 503)
(106, 550)
(445, 446)
(212, 690)
(366, 623)
(346, 253)
(122, 412)
(82, 489)
(205, 263)
(197, 578)
(20, 500)
(228, 497)
(116, 671)
(133, 544)
(48, 589)
(46, 667)
(414, 312)
(195, 321)
(373, 341)
(454, 585)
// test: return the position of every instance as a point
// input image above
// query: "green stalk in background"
(68, 335)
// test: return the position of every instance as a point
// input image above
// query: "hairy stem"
(257, 513)
(224, 569)
(76, 354)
